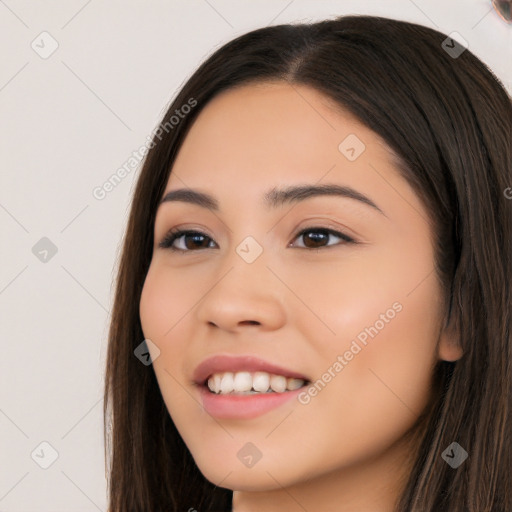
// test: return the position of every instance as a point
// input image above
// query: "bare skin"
(300, 304)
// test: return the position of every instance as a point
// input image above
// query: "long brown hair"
(449, 120)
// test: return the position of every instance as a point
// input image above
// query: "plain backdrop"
(68, 120)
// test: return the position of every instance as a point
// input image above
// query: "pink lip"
(243, 406)
(225, 363)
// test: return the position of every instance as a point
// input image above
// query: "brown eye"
(315, 237)
(191, 239)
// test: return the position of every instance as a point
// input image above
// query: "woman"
(318, 263)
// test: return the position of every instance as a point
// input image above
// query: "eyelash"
(174, 234)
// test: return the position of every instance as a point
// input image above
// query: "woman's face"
(361, 319)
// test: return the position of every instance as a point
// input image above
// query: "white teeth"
(226, 384)
(242, 381)
(217, 378)
(250, 383)
(278, 383)
(261, 382)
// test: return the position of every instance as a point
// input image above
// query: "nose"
(243, 294)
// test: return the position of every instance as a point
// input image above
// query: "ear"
(449, 347)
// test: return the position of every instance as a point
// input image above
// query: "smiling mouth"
(251, 383)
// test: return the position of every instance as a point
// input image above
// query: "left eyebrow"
(275, 197)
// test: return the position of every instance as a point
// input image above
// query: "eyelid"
(316, 223)
(176, 233)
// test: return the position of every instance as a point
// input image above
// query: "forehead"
(271, 132)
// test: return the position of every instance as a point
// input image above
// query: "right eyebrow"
(275, 197)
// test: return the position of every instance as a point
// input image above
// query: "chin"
(240, 478)
(247, 481)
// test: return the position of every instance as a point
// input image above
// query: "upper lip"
(225, 363)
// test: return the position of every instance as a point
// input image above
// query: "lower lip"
(243, 406)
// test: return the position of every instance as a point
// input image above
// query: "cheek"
(165, 300)
(163, 308)
(387, 343)
(375, 336)
(378, 395)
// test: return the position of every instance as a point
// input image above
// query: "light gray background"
(67, 123)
